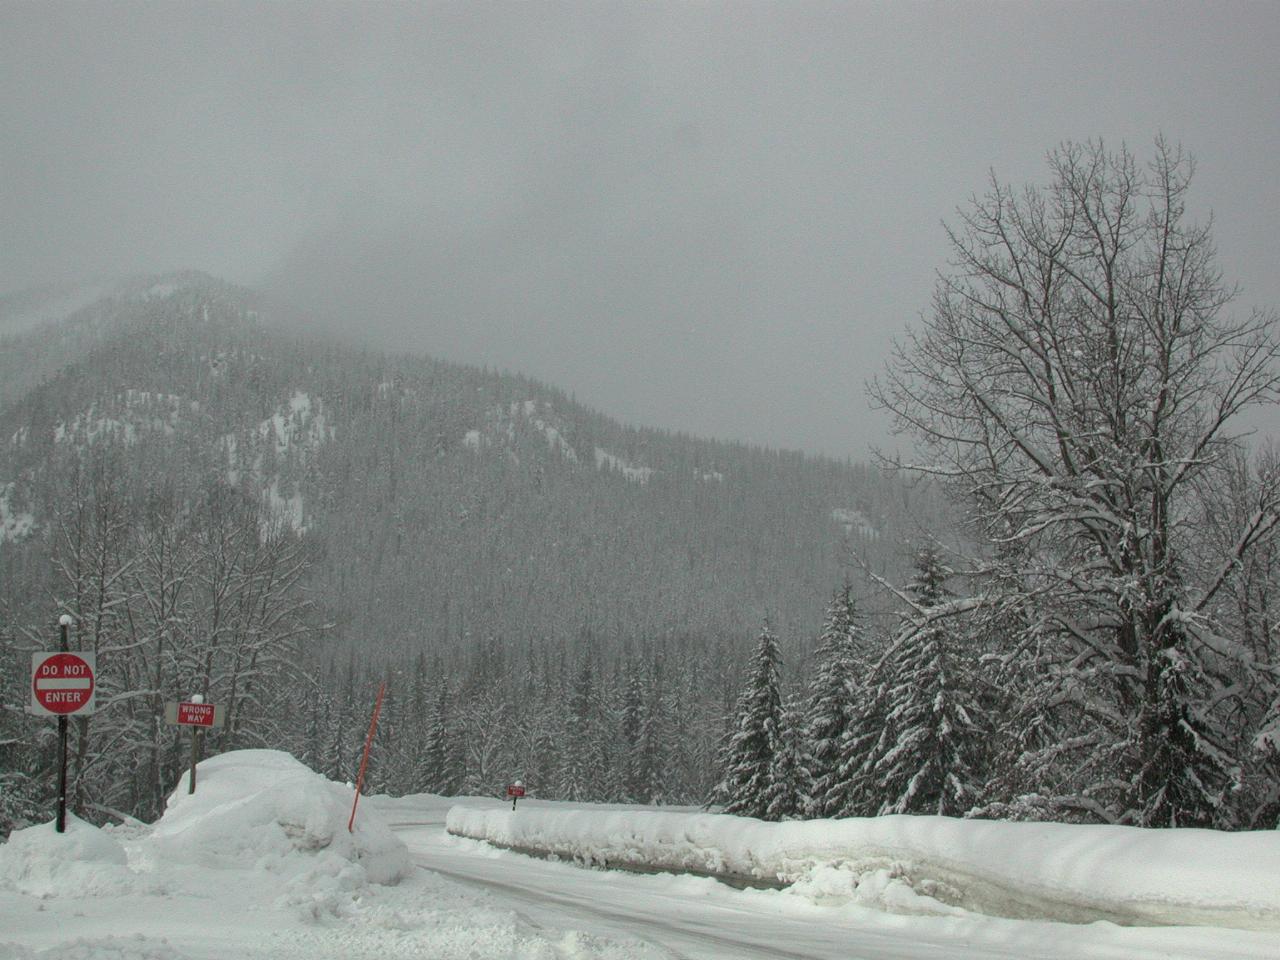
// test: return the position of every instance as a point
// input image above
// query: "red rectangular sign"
(195, 714)
(190, 714)
(515, 790)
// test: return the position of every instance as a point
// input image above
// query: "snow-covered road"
(700, 919)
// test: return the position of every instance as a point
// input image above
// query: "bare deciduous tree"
(1080, 374)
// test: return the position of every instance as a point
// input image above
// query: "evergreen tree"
(1266, 746)
(791, 785)
(455, 759)
(21, 789)
(654, 748)
(926, 759)
(831, 703)
(747, 761)
(489, 759)
(1187, 769)
(852, 793)
(432, 767)
(579, 774)
(632, 725)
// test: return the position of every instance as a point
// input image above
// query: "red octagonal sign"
(62, 683)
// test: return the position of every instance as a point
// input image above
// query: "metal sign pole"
(199, 716)
(61, 825)
(195, 747)
(195, 740)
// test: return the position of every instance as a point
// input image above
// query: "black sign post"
(515, 791)
(199, 716)
(62, 683)
(63, 623)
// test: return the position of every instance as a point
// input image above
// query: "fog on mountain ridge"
(710, 218)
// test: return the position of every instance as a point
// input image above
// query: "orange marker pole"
(364, 761)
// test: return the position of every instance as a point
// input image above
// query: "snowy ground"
(259, 864)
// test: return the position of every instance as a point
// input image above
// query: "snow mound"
(82, 862)
(906, 864)
(883, 888)
(264, 809)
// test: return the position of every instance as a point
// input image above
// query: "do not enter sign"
(62, 684)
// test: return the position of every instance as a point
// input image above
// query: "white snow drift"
(83, 861)
(256, 810)
(264, 808)
(256, 865)
(927, 864)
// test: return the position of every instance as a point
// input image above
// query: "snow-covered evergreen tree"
(632, 723)
(21, 788)
(645, 736)
(1187, 770)
(608, 755)
(747, 760)
(836, 682)
(488, 745)
(653, 779)
(1266, 745)
(580, 772)
(853, 794)
(927, 758)
(433, 763)
(791, 779)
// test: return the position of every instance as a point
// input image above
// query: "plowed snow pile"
(257, 864)
(263, 808)
(255, 810)
(83, 861)
(910, 864)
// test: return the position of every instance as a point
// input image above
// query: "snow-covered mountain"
(44, 329)
(481, 503)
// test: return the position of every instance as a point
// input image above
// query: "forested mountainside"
(45, 328)
(278, 521)
(448, 501)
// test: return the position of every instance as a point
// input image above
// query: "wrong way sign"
(62, 684)
(189, 714)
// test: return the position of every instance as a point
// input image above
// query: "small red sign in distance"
(195, 714)
(62, 683)
(515, 790)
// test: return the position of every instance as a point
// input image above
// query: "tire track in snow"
(629, 922)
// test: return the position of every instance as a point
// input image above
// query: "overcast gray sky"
(707, 217)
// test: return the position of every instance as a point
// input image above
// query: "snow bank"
(253, 809)
(258, 865)
(83, 861)
(927, 864)
(264, 808)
